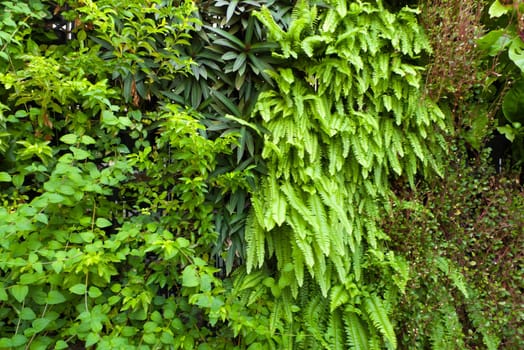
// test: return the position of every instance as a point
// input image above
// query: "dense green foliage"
(346, 116)
(105, 222)
(463, 237)
(260, 175)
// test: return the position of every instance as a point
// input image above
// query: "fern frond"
(274, 30)
(335, 332)
(323, 231)
(356, 334)
(377, 313)
(446, 266)
(279, 203)
(417, 147)
(314, 318)
(357, 256)
(254, 236)
(298, 264)
(274, 317)
(338, 296)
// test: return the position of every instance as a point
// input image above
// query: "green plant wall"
(246, 175)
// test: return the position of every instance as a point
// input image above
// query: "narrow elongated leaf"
(227, 103)
(230, 37)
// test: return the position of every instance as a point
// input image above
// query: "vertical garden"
(263, 174)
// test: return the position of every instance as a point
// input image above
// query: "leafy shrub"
(106, 223)
(463, 236)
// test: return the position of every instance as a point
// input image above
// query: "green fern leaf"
(377, 313)
(274, 318)
(323, 231)
(357, 256)
(335, 332)
(274, 30)
(298, 264)
(356, 334)
(279, 204)
(338, 296)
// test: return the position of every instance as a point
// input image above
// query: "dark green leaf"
(226, 102)
(239, 62)
(231, 38)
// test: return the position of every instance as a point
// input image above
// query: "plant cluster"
(345, 116)
(463, 236)
(106, 220)
(504, 45)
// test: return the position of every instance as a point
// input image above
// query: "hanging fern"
(377, 314)
(344, 117)
(355, 332)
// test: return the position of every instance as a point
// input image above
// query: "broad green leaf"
(57, 265)
(18, 340)
(497, 9)
(66, 189)
(79, 289)
(5, 177)
(55, 197)
(79, 154)
(494, 42)
(92, 339)
(516, 52)
(109, 118)
(55, 297)
(513, 102)
(87, 140)
(27, 314)
(40, 324)
(102, 222)
(41, 217)
(69, 139)
(19, 292)
(190, 277)
(5, 343)
(87, 236)
(18, 180)
(94, 292)
(507, 131)
(149, 338)
(3, 293)
(29, 278)
(81, 35)
(61, 345)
